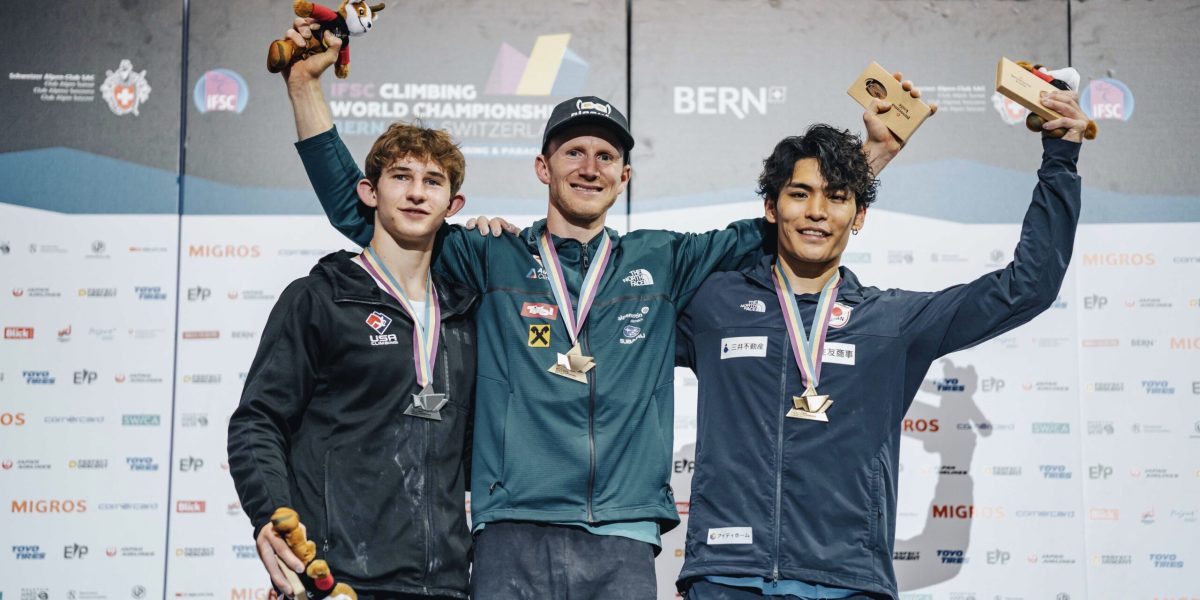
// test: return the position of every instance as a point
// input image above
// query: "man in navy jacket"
(794, 493)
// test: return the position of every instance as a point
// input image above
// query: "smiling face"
(813, 222)
(585, 170)
(411, 200)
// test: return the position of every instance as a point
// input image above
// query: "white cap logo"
(600, 108)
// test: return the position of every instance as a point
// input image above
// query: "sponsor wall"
(1059, 460)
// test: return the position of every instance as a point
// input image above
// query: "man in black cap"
(576, 331)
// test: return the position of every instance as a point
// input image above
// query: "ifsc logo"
(1107, 99)
(221, 90)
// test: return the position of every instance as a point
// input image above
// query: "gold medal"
(811, 406)
(573, 365)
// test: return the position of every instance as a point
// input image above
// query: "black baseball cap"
(588, 109)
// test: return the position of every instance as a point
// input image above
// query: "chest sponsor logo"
(378, 321)
(757, 306)
(730, 535)
(839, 354)
(744, 347)
(840, 316)
(387, 339)
(639, 278)
(539, 336)
(631, 334)
(537, 273)
(538, 310)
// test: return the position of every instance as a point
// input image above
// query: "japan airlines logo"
(379, 321)
(124, 90)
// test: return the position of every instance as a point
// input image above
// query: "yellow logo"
(539, 336)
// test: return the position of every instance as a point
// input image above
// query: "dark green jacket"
(547, 448)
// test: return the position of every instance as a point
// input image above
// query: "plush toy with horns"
(350, 19)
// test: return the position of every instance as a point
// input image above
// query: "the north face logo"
(755, 306)
(639, 277)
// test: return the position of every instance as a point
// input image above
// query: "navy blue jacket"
(816, 501)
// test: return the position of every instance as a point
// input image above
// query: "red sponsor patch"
(189, 506)
(537, 310)
(18, 333)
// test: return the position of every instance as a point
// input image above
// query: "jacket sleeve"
(277, 391)
(965, 315)
(685, 348)
(461, 254)
(697, 255)
(334, 177)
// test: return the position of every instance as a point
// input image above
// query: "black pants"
(533, 561)
(706, 590)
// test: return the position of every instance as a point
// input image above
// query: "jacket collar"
(352, 283)
(760, 274)
(531, 234)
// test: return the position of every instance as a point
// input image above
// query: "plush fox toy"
(351, 18)
(1064, 79)
(287, 525)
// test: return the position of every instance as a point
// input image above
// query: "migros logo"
(1119, 259)
(224, 251)
(14, 419)
(43, 506)
(966, 511)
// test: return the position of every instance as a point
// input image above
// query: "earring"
(854, 230)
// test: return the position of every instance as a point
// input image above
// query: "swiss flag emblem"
(125, 95)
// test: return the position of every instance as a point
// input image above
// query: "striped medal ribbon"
(574, 365)
(807, 348)
(426, 404)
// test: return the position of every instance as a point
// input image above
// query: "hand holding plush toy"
(287, 524)
(351, 19)
(1066, 80)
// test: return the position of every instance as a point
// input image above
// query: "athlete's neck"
(576, 229)
(807, 277)
(408, 261)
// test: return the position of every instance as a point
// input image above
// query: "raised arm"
(965, 315)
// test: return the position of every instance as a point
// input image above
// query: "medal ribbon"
(425, 337)
(558, 283)
(809, 348)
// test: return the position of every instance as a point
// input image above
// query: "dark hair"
(839, 154)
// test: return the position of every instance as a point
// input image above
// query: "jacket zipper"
(444, 360)
(591, 403)
(779, 463)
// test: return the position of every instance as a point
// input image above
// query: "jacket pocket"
(875, 505)
(490, 448)
(375, 509)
